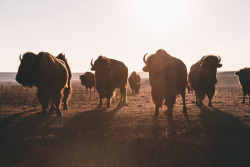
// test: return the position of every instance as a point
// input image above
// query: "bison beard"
(202, 78)
(110, 74)
(168, 78)
(49, 74)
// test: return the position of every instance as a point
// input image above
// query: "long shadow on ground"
(228, 139)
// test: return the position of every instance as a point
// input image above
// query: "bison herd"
(167, 74)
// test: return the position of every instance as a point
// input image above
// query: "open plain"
(125, 136)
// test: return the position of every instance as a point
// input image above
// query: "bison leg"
(43, 99)
(183, 96)
(109, 95)
(199, 98)
(86, 89)
(66, 93)
(56, 101)
(157, 98)
(101, 96)
(210, 95)
(169, 102)
(244, 96)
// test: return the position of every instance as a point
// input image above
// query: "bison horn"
(92, 63)
(219, 59)
(203, 58)
(20, 57)
(144, 60)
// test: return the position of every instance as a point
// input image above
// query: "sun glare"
(162, 14)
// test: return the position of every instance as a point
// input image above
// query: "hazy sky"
(125, 30)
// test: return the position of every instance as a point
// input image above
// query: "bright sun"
(162, 14)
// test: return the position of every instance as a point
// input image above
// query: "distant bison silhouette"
(110, 74)
(67, 90)
(190, 90)
(48, 74)
(88, 80)
(202, 78)
(168, 78)
(134, 82)
(244, 78)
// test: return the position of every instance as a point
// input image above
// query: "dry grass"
(125, 136)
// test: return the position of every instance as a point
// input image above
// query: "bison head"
(101, 65)
(158, 62)
(26, 74)
(244, 74)
(209, 65)
(83, 79)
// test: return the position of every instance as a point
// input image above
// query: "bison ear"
(219, 65)
(236, 73)
(145, 69)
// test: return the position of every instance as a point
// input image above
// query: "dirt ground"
(125, 136)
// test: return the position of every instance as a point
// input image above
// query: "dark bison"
(134, 82)
(48, 74)
(88, 80)
(67, 90)
(168, 78)
(110, 74)
(202, 78)
(244, 77)
(190, 90)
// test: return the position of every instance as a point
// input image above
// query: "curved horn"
(20, 57)
(92, 63)
(144, 60)
(219, 59)
(203, 58)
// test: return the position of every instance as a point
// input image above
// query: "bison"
(88, 80)
(202, 78)
(67, 90)
(244, 78)
(168, 78)
(110, 74)
(190, 90)
(48, 74)
(134, 82)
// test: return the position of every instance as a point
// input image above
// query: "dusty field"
(125, 136)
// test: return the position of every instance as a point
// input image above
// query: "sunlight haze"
(125, 30)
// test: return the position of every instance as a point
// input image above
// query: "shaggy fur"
(202, 78)
(48, 74)
(110, 74)
(244, 78)
(168, 78)
(134, 82)
(67, 90)
(88, 80)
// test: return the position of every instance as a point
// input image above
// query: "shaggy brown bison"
(88, 80)
(134, 82)
(48, 74)
(67, 90)
(202, 78)
(110, 74)
(244, 78)
(168, 78)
